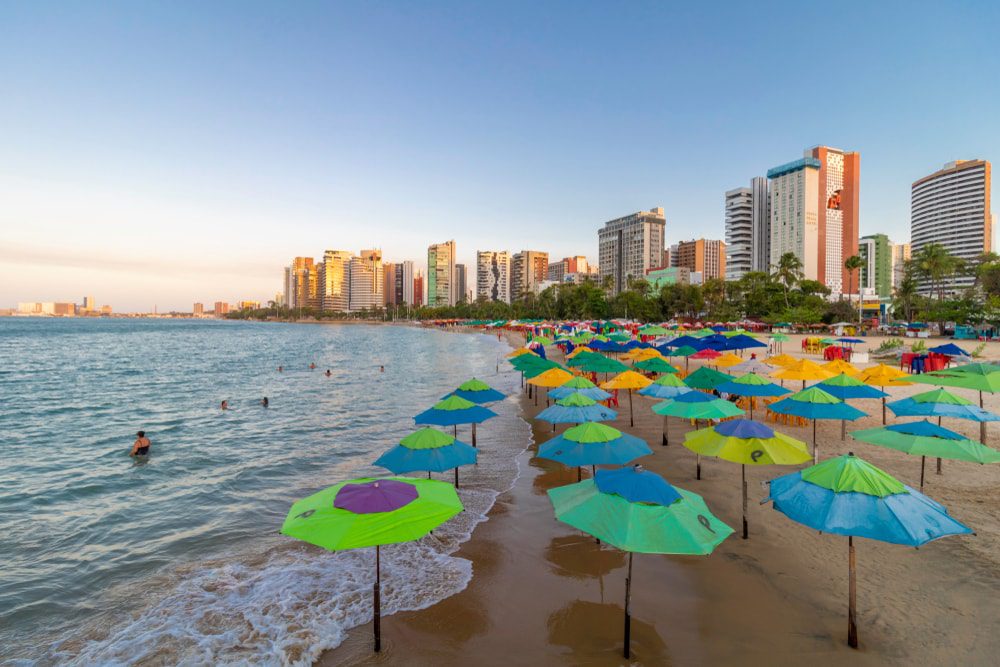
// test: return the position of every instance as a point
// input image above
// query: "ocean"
(178, 558)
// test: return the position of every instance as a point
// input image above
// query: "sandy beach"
(543, 593)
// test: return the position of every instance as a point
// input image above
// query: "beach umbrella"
(580, 349)
(923, 439)
(779, 338)
(666, 386)
(695, 405)
(601, 364)
(656, 365)
(706, 378)
(726, 360)
(593, 444)
(642, 353)
(752, 385)
(883, 376)
(741, 341)
(553, 377)
(683, 351)
(478, 392)
(845, 387)
(978, 377)
(802, 369)
(579, 385)
(519, 351)
(781, 360)
(848, 496)
(950, 349)
(814, 403)
(541, 340)
(838, 366)
(576, 358)
(751, 366)
(453, 411)
(531, 365)
(430, 450)
(638, 511)
(748, 443)
(707, 353)
(628, 380)
(619, 337)
(576, 409)
(653, 330)
(371, 512)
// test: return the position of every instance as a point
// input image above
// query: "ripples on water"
(109, 560)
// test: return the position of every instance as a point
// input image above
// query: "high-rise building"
(334, 279)
(706, 256)
(221, 308)
(528, 268)
(366, 281)
(89, 304)
(631, 245)
(748, 229)
(418, 289)
(405, 277)
(900, 256)
(493, 275)
(952, 207)
(815, 213)
(441, 274)
(876, 274)
(389, 283)
(558, 271)
(199, 309)
(460, 284)
(302, 283)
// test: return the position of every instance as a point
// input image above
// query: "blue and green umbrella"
(429, 450)
(579, 385)
(752, 385)
(848, 496)
(593, 444)
(453, 411)
(576, 409)
(814, 403)
(477, 392)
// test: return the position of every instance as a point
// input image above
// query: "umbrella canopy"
(592, 443)
(922, 438)
(697, 405)
(726, 360)
(576, 409)
(642, 353)
(752, 384)
(707, 353)
(751, 366)
(950, 349)
(940, 403)
(849, 341)
(686, 341)
(519, 351)
(525, 363)
(978, 377)
(742, 341)
(627, 380)
(581, 354)
(656, 365)
(541, 340)
(454, 410)
(477, 391)
(553, 377)
(781, 360)
(839, 366)
(600, 364)
(802, 369)
(579, 385)
(845, 387)
(682, 351)
(780, 337)
(885, 376)
(427, 449)
(706, 378)
(667, 386)
(748, 443)
(653, 330)
(814, 403)
(578, 351)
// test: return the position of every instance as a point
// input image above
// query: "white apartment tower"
(794, 215)
(493, 275)
(366, 281)
(407, 270)
(739, 232)
(630, 246)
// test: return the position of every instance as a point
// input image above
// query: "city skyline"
(178, 163)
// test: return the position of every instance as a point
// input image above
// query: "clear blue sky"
(167, 152)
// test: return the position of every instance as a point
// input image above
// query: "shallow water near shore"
(178, 558)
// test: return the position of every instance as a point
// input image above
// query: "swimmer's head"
(141, 434)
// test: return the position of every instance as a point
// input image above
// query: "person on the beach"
(141, 445)
(225, 405)
(264, 402)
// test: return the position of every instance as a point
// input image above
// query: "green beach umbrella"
(601, 364)
(541, 340)
(923, 439)
(371, 512)
(653, 330)
(639, 512)
(619, 337)
(978, 377)
(695, 405)
(706, 378)
(655, 365)
(578, 359)
(748, 443)
(814, 403)
(752, 385)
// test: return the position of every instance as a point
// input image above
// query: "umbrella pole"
(378, 602)
(628, 597)
(923, 460)
(883, 409)
(536, 395)
(473, 434)
(631, 419)
(456, 477)
(546, 397)
(665, 441)
(815, 451)
(852, 627)
(982, 425)
(843, 430)
(579, 474)
(697, 458)
(939, 460)
(455, 431)
(743, 472)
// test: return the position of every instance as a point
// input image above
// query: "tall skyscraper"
(89, 306)
(460, 284)
(441, 274)
(900, 256)
(198, 310)
(876, 274)
(301, 283)
(389, 283)
(748, 229)
(528, 268)
(418, 289)
(405, 276)
(335, 280)
(952, 207)
(706, 256)
(366, 286)
(577, 264)
(493, 275)
(631, 245)
(794, 195)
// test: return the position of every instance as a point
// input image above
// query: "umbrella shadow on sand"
(592, 632)
(581, 557)
(552, 475)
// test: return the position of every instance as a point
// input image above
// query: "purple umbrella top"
(385, 495)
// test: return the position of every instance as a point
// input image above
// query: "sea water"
(177, 558)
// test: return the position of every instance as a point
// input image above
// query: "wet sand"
(543, 593)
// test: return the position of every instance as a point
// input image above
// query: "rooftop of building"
(952, 167)
(796, 165)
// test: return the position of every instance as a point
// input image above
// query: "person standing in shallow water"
(141, 445)
(264, 402)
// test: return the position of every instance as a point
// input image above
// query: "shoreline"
(542, 593)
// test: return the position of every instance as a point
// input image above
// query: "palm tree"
(788, 271)
(852, 264)
(905, 297)
(934, 263)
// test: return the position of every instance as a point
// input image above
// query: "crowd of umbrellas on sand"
(638, 511)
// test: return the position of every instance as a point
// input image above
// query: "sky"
(162, 153)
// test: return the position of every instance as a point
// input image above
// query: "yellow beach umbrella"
(803, 369)
(518, 352)
(554, 377)
(726, 360)
(628, 380)
(781, 360)
(578, 350)
(642, 354)
(838, 366)
(884, 376)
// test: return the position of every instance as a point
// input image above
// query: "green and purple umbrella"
(639, 512)
(372, 512)
(814, 403)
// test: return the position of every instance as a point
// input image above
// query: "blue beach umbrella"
(594, 393)
(427, 449)
(576, 409)
(666, 386)
(950, 349)
(752, 385)
(593, 444)
(814, 403)
(453, 411)
(477, 392)
(940, 403)
(848, 496)
(845, 388)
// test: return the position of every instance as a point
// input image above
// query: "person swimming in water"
(225, 405)
(281, 369)
(141, 445)
(328, 373)
(312, 367)
(381, 369)
(264, 402)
